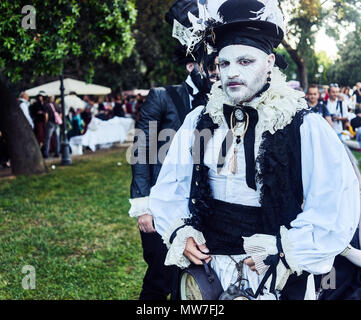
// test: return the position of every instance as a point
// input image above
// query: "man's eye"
(223, 64)
(245, 62)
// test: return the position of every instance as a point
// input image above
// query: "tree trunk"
(300, 62)
(24, 150)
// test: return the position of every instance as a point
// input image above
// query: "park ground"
(72, 226)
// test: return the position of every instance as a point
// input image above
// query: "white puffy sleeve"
(332, 199)
(168, 200)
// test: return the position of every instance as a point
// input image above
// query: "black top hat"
(179, 11)
(246, 22)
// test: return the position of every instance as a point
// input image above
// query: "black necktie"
(249, 140)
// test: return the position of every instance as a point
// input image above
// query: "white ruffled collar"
(276, 107)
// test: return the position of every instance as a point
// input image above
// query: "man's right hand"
(193, 254)
(145, 223)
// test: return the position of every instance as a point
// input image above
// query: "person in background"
(357, 95)
(166, 107)
(87, 113)
(337, 109)
(76, 123)
(24, 106)
(356, 126)
(313, 96)
(102, 113)
(86, 100)
(108, 102)
(325, 95)
(52, 122)
(356, 122)
(138, 106)
(346, 96)
(37, 112)
(118, 110)
(128, 106)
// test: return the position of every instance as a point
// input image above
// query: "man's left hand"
(249, 262)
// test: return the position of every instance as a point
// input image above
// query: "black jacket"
(158, 107)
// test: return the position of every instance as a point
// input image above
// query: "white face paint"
(243, 71)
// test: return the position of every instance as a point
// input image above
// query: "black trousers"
(159, 280)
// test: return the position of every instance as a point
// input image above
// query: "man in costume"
(165, 109)
(248, 177)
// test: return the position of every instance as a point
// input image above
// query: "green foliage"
(306, 17)
(73, 226)
(65, 30)
(155, 45)
(151, 63)
(320, 58)
(347, 68)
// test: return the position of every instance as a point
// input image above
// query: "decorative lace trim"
(168, 233)
(175, 254)
(259, 246)
(288, 251)
(139, 207)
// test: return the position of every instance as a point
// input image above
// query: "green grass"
(72, 225)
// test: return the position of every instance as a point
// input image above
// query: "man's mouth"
(235, 84)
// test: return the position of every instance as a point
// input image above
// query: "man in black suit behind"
(165, 107)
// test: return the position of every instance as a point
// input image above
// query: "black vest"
(280, 176)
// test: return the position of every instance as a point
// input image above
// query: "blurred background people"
(357, 95)
(76, 123)
(317, 105)
(336, 107)
(52, 122)
(37, 112)
(25, 107)
(118, 110)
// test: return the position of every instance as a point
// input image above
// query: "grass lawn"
(72, 225)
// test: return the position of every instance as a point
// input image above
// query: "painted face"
(243, 71)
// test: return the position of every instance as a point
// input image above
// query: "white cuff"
(168, 233)
(175, 254)
(288, 251)
(259, 246)
(139, 207)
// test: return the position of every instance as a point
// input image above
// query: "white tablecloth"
(102, 132)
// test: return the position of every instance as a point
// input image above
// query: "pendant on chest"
(240, 116)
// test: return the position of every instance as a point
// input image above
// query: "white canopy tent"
(70, 85)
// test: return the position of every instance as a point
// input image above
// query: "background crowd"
(340, 106)
(44, 115)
